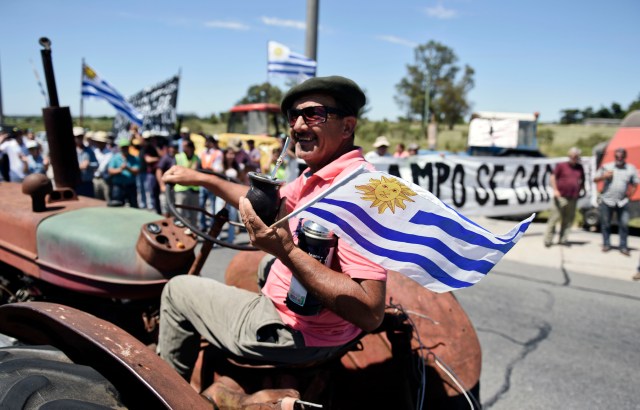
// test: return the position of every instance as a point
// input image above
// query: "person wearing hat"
(123, 168)
(322, 113)
(13, 151)
(413, 148)
(381, 146)
(103, 153)
(87, 162)
(36, 163)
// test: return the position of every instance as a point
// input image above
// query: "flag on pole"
(94, 86)
(35, 72)
(405, 228)
(282, 61)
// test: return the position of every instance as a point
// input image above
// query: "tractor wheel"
(42, 377)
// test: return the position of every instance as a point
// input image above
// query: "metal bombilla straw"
(280, 159)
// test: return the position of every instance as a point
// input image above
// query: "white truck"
(503, 134)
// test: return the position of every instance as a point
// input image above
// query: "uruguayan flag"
(283, 61)
(405, 228)
(94, 86)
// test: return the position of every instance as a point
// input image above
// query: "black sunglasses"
(312, 115)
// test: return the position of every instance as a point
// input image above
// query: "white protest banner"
(485, 186)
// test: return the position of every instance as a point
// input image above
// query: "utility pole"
(312, 29)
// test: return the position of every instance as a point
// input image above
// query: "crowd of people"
(128, 171)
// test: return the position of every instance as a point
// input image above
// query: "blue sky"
(528, 55)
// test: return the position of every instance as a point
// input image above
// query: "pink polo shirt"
(325, 328)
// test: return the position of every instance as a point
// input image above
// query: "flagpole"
(322, 195)
(268, 79)
(81, 98)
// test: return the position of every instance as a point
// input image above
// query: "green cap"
(124, 142)
(344, 90)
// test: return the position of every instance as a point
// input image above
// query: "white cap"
(381, 141)
(31, 144)
(78, 131)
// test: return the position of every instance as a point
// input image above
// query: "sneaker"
(606, 248)
(636, 276)
(547, 244)
(625, 252)
(565, 243)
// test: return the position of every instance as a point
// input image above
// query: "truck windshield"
(256, 123)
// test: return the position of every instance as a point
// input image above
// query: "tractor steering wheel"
(173, 208)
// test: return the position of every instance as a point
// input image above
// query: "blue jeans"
(140, 180)
(231, 230)
(125, 193)
(606, 212)
(205, 195)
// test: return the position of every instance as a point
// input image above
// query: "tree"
(635, 105)
(570, 116)
(617, 111)
(603, 112)
(435, 65)
(264, 92)
(452, 102)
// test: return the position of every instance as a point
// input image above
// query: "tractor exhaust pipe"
(57, 123)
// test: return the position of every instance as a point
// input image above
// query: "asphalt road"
(555, 339)
(552, 337)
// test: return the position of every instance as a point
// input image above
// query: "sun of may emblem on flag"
(88, 71)
(386, 193)
(278, 52)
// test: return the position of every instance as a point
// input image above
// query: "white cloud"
(441, 12)
(229, 25)
(397, 40)
(274, 21)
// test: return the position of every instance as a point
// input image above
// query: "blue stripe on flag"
(454, 229)
(462, 262)
(424, 263)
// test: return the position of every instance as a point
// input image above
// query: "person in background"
(87, 162)
(322, 114)
(123, 169)
(149, 158)
(12, 147)
(241, 159)
(167, 161)
(281, 173)
(187, 194)
(400, 151)
(210, 159)
(185, 134)
(36, 163)
(103, 152)
(381, 146)
(231, 169)
(567, 182)
(254, 156)
(413, 149)
(620, 183)
(135, 148)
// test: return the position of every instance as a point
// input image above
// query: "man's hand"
(277, 241)
(181, 175)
